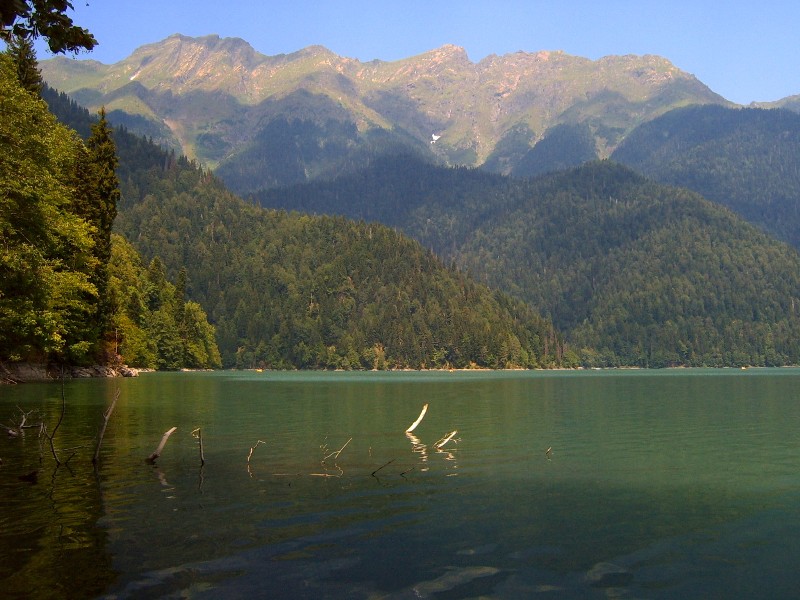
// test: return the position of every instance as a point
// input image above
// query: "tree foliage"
(437, 206)
(45, 248)
(155, 326)
(642, 274)
(290, 151)
(44, 18)
(292, 291)
(96, 192)
(58, 299)
(562, 146)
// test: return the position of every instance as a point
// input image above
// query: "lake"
(597, 484)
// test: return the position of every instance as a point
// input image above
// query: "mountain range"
(264, 121)
(633, 271)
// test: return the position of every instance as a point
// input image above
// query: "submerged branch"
(382, 466)
(337, 452)
(106, 417)
(152, 458)
(60, 419)
(257, 444)
(339, 474)
(445, 439)
(198, 434)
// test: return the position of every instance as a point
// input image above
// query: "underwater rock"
(607, 575)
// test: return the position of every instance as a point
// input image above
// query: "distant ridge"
(211, 98)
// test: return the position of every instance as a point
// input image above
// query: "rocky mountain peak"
(223, 89)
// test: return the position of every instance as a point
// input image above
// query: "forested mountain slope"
(292, 291)
(635, 272)
(643, 273)
(439, 206)
(70, 292)
(746, 159)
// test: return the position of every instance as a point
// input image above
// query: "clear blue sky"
(744, 50)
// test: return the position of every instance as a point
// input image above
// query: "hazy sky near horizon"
(746, 51)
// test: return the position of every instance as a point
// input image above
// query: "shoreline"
(23, 372)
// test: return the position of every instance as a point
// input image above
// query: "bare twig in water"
(257, 444)
(18, 429)
(73, 450)
(419, 419)
(198, 434)
(339, 474)
(106, 417)
(445, 439)
(23, 424)
(250, 454)
(152, 458)
(336, 454)
(382, 466)
(60, 418)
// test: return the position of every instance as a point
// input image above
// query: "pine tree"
(21, 51)
(97, 194)
(103, 154)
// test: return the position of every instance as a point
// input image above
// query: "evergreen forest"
(71, 291)
(633, 272)
(747, 159)
(288, 290)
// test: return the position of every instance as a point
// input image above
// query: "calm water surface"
(658, 484)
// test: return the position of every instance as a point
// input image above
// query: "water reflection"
(420, 448)
(651, 485)
(50, 545)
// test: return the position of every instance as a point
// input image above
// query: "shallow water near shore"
(657, 484)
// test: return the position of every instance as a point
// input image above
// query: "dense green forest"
(296, 291)
(69, 291)
(155, 325)
(638, 273)
(48, 302)
(289, 151)
(562, 146)
(633, 272)
(439, 206)
(293, 291)
(746, 159)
